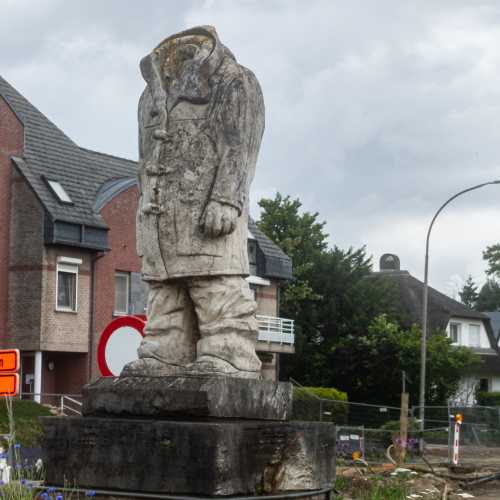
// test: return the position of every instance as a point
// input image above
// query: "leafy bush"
(320, 403)
(488, 398)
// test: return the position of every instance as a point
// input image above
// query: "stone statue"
(201, 120)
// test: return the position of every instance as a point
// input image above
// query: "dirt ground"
(490, 492)
(442, 482)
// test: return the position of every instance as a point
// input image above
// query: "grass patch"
(372, 488)
(27, 428)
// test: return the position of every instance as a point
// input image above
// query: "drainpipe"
(95, 257)
(38, 376)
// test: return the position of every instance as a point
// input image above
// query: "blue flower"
(59, 497)
(90, 493)
(51, 490)
(23, 481)
(19, 466)
(17, 445)
(45, 496)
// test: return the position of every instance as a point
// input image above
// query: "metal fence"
(273, 329)
(479, 433)
(61, 404)
(363, 429)
(369, 430)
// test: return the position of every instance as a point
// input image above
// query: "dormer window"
(58, 191)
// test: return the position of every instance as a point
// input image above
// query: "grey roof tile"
(51, 153)
(441, 307)
(90, 177)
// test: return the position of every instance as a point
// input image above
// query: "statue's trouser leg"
(170, 332)
(225, 308)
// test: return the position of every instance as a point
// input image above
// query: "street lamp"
(423, 344)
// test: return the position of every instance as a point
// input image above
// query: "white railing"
(272, 329)
(70, 406)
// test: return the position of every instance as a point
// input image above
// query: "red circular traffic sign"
(118, 344)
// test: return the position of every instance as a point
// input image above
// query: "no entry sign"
(118, 344)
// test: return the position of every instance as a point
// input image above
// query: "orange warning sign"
(9, 384)
(9, 360)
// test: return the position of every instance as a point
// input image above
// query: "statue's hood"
(210, 64)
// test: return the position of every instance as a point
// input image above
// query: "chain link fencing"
(363, 430)
(368, 430)
(478, 434)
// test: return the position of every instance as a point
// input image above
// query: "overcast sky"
(376, 111)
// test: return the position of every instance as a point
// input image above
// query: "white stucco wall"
(495, 384)
(464, 331)
(467, 388)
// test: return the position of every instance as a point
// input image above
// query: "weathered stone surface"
(201, 120)
(188, 397)
(195, 458)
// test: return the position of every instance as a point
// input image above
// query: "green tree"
(349, 299)
(468, 294)
(489, 296)
(372, 363)
(343, 338)
(302, 237)
(330, 295)
(492, 256)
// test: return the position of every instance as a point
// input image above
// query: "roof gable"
(441, 307)
(50, 153)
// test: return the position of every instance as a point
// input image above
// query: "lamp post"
(423, 344)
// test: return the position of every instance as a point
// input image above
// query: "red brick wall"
(11, 144)
(25, 266)
(68, 376)
(119, 214)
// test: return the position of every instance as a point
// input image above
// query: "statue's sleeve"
(230, 184)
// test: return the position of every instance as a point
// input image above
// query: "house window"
(59, 192)
(122, 293)
(252, 256)
(474, 336)
(67, 287)
(484, 385)
(455, 332)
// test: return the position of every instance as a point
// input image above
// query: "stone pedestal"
(188, 397)
(192, 458)
(207, 436)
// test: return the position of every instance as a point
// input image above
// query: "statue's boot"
(159, 356)
(150, 367)
(213, 366)
(169, 343)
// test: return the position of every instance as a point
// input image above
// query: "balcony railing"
(272, 329)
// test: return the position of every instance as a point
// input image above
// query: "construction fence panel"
(478, 434)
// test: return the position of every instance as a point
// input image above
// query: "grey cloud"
(376, 111)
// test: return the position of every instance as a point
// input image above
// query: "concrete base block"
(210, 458)
(188, 397)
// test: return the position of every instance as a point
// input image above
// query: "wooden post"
(403, 427)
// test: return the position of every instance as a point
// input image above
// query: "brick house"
(68, 263)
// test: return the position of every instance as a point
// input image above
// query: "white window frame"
(67, 268)
(475, 325)
(459, 332)
(127, 275)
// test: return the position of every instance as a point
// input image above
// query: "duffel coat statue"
(201, 119)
